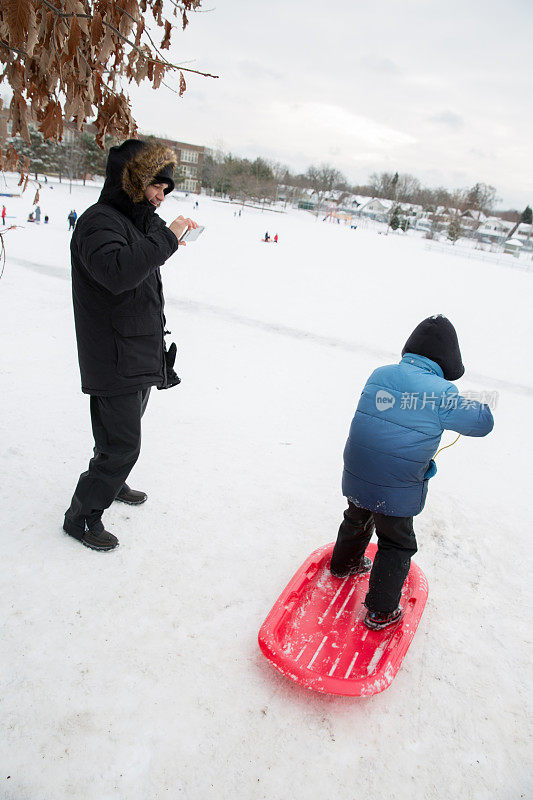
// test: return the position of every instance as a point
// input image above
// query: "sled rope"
(446, 446)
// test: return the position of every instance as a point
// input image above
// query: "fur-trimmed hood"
(146, 164)
(131, 167)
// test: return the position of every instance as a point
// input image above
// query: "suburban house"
(307, 202)
(494, 229)
(524, 234)
(376, 209)
(513, 247)
(473, 214)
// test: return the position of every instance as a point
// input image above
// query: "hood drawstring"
(446, 446)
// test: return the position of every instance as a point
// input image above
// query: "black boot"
(365, 565)
(131, 496)
(96, 540)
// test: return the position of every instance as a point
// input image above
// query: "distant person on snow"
(4, 212)
(117, 248)
(276, 238)
(38, 214)
(31, 217)
(46, 219)
(72, 217)
(388, 459)
(267, 237)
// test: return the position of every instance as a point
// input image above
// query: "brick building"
(190, 160)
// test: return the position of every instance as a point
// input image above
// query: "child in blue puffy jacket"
(402, 413)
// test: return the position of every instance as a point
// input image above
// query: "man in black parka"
(117, 248)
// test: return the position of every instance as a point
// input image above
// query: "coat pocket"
(139, 346)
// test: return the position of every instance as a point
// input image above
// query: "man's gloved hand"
(170, 358)
(170, 355)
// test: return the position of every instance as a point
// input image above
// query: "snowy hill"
(136, 674)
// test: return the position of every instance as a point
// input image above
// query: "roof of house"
(474, 213)
(504, 224)
(386, 204)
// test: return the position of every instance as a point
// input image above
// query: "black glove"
(170, 358)
(170, 355)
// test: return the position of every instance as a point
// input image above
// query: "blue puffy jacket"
(403, 411)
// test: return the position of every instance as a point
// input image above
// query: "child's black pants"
(396, 546)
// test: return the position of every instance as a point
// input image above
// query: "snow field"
(136, 674)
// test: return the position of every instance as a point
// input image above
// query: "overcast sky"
(440, 89)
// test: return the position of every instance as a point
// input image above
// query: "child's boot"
(364, 565)
(376, 620)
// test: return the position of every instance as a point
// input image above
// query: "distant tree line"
(263, 181)
(405, 188)
(260, 180)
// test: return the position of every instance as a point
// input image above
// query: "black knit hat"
(436, 338)
(165, 176)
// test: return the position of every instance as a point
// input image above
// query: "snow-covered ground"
(136, 675)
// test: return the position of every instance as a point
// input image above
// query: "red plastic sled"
(315, 633)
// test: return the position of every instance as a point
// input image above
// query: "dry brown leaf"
(165, 44)
(52, 123)
(19, 117)
(33, 35)
(15, 76)
(18, 13)
(159, 72)
(157, 8)
(12, 158)
(140, 31)
(74, 37)
(97, 29)
(125, 25)
(106, 48)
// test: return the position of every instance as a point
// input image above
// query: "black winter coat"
(117, 249)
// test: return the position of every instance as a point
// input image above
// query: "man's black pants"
(396, 546)
(116, 424)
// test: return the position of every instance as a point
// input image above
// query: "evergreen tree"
(40, 151)
(394, 221)
(527, 216)
(93, 160)
(454, 229)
